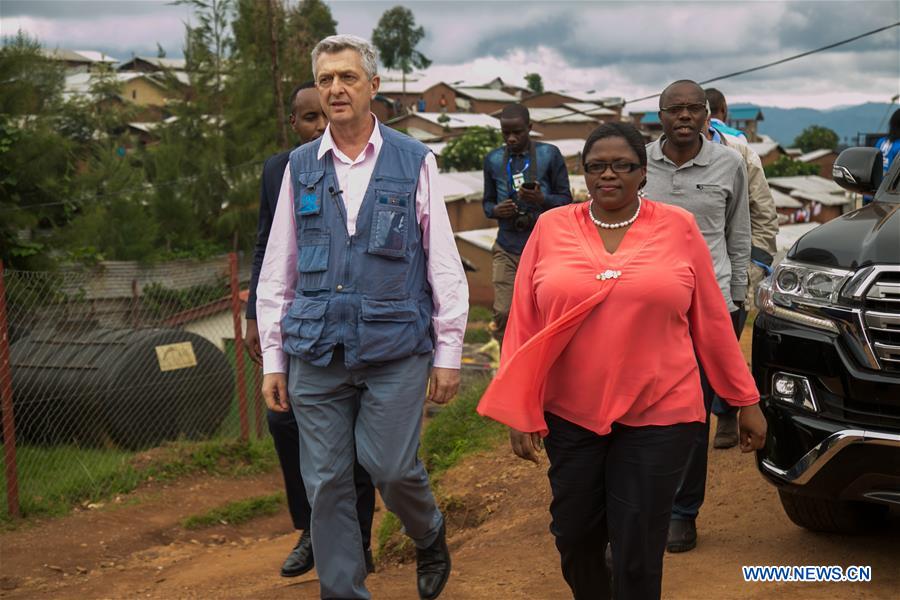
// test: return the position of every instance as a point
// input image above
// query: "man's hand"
(442, 385)
(531, 196)
(251, 342)
(752, 424)
(274, 390)
(505, 209)
(526, 445)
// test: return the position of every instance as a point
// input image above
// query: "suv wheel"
(832, 516)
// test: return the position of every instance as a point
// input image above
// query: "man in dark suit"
(308, 122)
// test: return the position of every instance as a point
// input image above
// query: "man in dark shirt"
(308, 122)
(521, 180)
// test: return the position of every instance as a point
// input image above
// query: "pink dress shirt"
(278, 276)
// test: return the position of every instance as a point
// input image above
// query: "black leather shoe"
(370, 562)
(433, 567)
(682, 535)
(300, 560)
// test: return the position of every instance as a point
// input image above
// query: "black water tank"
(131, 388)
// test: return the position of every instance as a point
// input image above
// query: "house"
(561, 123)
(648, 123)
(767, 149)
(402, 101)
(152, 64)
(475, 250)
(547, 100)
(430, 126)
(80, 61)
(823, 158)
(746, 118)
(786, 206)
(142, 89)
(822, 199)
(213, 321)
(463, 193)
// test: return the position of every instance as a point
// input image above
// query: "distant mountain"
(784, 124)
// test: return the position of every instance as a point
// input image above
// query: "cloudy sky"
(627, 49)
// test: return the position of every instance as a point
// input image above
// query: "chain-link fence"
(107, 362)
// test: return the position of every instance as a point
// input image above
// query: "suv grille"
(882, 319)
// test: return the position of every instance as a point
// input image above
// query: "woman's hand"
(752, 425)
(526, 445)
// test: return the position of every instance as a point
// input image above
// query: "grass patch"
(54, 479)
(237, 512)
(455, 432)
(458, 430)
(477, 335)
(480, 314)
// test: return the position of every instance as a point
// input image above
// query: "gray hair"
(337, 43)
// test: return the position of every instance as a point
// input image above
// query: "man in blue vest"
(522, 179)
(363, 291)
(308, 122)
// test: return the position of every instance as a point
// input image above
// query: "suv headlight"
(793, 285)
(795, 282)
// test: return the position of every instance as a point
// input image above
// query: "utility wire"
(783, 60)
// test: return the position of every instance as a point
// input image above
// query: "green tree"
(534, 82)
(785, 166)
(815, 137)
(396, 38)
(467, 152)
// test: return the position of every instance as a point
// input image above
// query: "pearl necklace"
(600, 223)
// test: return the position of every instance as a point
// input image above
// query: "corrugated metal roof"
(396, 87)
(815, 154)
(485, 94)
(457, 120)
(569, 146)
(806, 183)
(589, 108)
(763, 148)
(783, 200)
(480, 238)
(745, 113)
(823, 198)
(558, 115)
(461, 185)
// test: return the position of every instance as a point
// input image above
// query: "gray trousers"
(373, 414)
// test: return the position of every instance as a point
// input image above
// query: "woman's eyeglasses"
(621, 167)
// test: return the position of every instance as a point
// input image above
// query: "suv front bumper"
(848, 445)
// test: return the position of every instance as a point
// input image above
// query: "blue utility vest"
(369, 291)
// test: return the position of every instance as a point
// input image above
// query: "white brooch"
(609, 274)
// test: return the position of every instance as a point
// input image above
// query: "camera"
(524, 219)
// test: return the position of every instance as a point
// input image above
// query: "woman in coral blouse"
(615, 302)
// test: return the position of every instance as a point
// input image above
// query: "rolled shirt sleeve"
(277, 280)
(450, 291)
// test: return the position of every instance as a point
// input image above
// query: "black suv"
(826, 359)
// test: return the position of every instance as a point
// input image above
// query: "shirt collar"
(702, 159)
(373, 145)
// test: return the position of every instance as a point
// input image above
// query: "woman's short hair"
(626, 131)
(337, 43)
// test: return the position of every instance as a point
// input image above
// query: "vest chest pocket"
(307, 199)
(314, 247)
(390, 224)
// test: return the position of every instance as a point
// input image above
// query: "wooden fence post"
(9, 421)
(239, 346)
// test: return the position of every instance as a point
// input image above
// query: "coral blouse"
(597, 350)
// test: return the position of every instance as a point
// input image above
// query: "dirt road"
(498, 537)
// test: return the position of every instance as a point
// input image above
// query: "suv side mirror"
(858, 170)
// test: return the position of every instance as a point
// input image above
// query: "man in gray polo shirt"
(710, 181)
